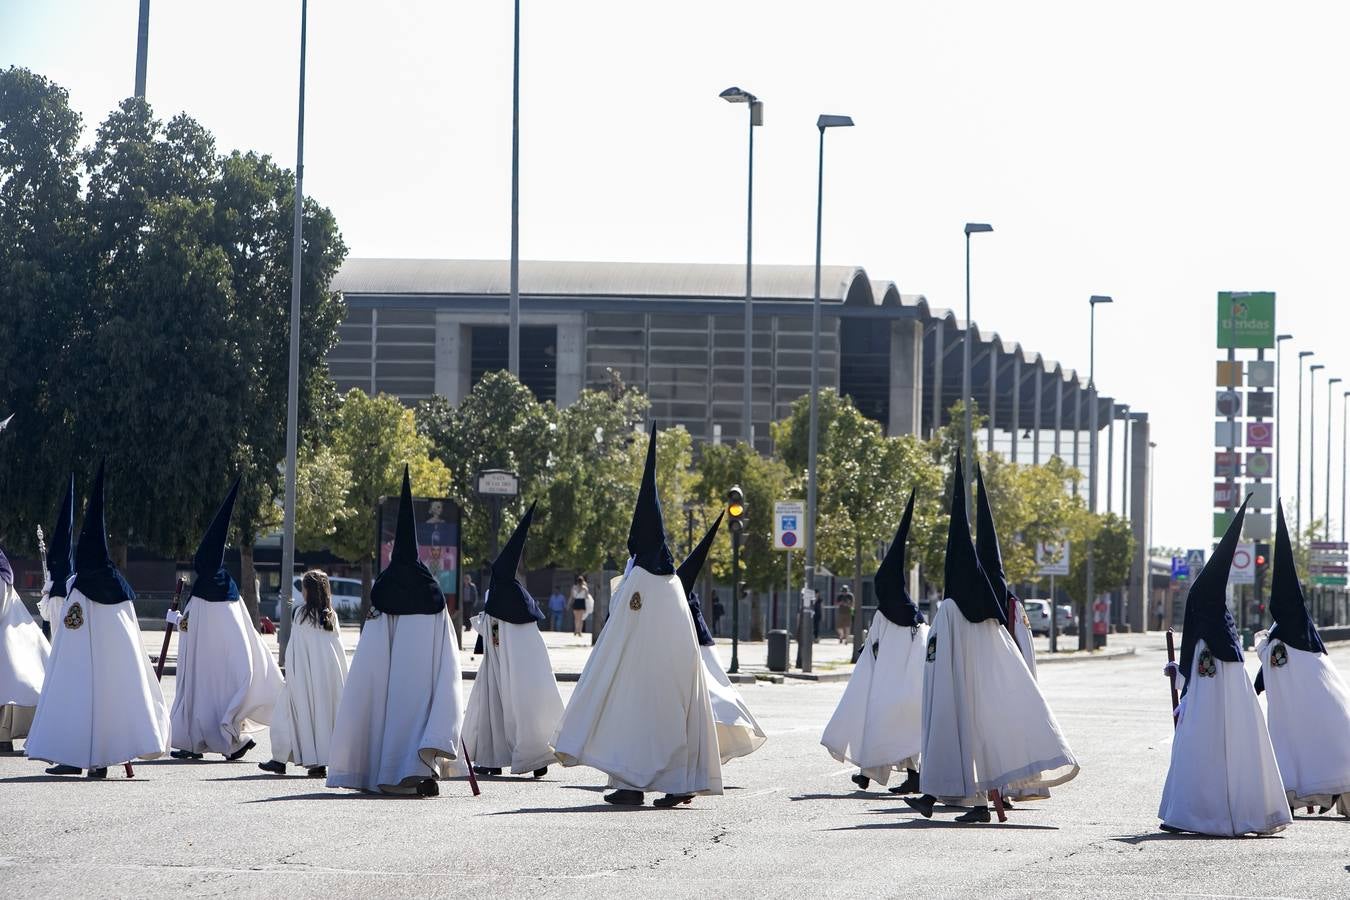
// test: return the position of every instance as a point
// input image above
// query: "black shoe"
(65, 770)
(318, 772)
(6, 746)
(239, 754)
(185, 754)
(861, 780)
(670, 800)
(1007, 804)
(911, 785)
(624, 798)
(922, 805)
(428, 788)
(101, 772)
(540, 773)
(486, 770)
(1170, 830)
(273, 766)
(978, 815)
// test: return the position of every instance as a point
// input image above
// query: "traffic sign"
(1244, 565)
(498, 483)
(789, 520)
(1180, 571)
(1246, 319)
(1195, 560)
(1052, 559)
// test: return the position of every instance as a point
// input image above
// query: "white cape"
(641, 711)
(306, 710)
(100, 704)
(1026, 642)
(878, 724)
(1308, 705)
(23, 665)
(227, 680)
(738, 734)
(986, 724)
(514, 707)
(1223, 779)
(402, 709)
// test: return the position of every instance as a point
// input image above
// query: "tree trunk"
(118, 551)
(367, 577)
(249, 588)
(756, 619)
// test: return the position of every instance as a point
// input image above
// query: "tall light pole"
(1279, 408)
(293, 376)
(805, 636)
(1298, 452)
(1326, 507)
(1344, 459)
(513, 336)
(142, 47)
(1312, 442)
(755, 107)
(971, 228)
(1093, 302)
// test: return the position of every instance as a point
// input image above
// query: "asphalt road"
(790, 824)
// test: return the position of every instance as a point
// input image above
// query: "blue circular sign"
(789, 539)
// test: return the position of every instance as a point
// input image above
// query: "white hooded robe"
(514, 707)
(23, 664)
(306, 709)
(738, 734)
(1308, 705)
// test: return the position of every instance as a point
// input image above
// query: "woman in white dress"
(316, 670)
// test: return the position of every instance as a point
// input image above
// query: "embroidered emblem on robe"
(1207, 667)
(1279, 656)
(635, 603)
(932, 648)
(75, 618)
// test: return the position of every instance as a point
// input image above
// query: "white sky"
(1155, 151)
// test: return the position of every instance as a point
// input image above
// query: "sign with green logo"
(1246, 319)
(1329, 580)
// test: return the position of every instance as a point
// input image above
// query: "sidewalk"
(830, 659)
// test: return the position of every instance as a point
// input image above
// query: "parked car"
(1065, 618)
(346, 596)
(1038, 613)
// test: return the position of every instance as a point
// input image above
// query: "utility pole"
(142, 48)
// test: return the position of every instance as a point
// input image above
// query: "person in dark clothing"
(718, 611)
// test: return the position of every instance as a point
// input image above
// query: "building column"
(1036, 416)
(1077, 425)
(1110, 451)
(571, 360)
(993, 395)
(451, 344)
(939, 352)
(1016, 403)
(1137, 601)
(906, 378)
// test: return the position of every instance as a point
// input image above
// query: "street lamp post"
(1344, 459)
(293, 373)
(805, 638)
(1326, 507)
(1312, 442)
(1279, 408)
(971, 228)
(1093, 302)
(755, 106)
(513, 338)
(1298, 451)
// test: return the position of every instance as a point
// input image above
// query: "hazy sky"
(1155, 151)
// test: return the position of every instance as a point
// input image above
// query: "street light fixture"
(1093, 302)
(1298, 451)
(1326, 508)
(806, 635)
(1312, 442)
(971, 228)
(756, 109)
(1279, 409)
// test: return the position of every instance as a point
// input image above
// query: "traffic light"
(1262, 558)
(738, 514)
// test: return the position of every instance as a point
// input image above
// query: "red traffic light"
(1260, 561)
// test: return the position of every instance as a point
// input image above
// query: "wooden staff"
(473, 781)
(1172, 675)
(168, 630)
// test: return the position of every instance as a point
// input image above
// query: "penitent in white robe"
(986, 724)
(23, 665)
(1223, 779)
(641, 712)
(1308, 705)
(228, 681)
(738, 734)
(402, 709)
(514, 707)
(306, 709)
(878, 724)
(100, 704)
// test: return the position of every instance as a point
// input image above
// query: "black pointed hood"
(214, 582)
(60, 552)
(508, 599)
(647, 535)
(688, 573)
(986, 541)
(1292, 625)
(406, 587)
(891, 583)
(1207, 614)
(964, 580)
(95, 575)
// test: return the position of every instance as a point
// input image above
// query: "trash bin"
(1248, 638)
(778, 650)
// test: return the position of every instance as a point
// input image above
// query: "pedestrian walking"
(718, 611)
(843, 614)
(468, 597)
(582, 603)
(316, 670)
(557, 607)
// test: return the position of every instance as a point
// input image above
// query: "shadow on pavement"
(1150, 837)
(598, 807)
(944, 823)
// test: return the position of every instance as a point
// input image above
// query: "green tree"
(374, 437)
(1112, 551)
